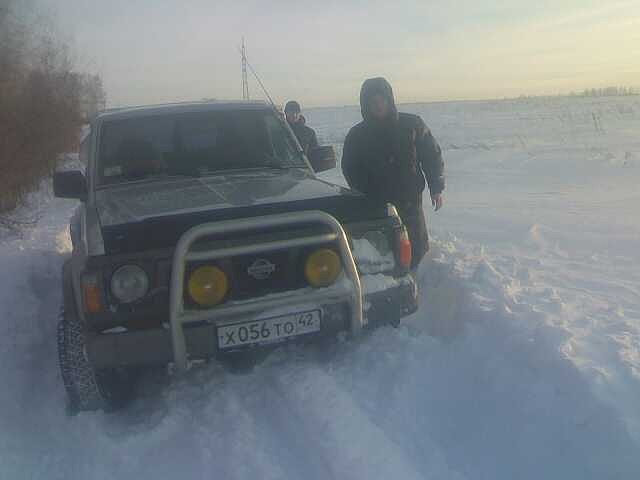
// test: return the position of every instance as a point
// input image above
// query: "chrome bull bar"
(178, 316)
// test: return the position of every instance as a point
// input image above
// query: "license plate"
(268, 330)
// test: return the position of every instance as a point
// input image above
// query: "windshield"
(193, 144)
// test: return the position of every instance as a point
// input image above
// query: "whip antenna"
(245, 81)
(245, 84)
(261, 85)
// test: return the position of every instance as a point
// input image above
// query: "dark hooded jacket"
(306, 136)
(392, 160)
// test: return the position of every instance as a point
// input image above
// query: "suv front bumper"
(154, 346)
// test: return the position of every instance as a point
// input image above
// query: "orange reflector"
(404, 249)
(92, 295)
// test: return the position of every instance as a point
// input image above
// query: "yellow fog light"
(323, 267)
(208, 285)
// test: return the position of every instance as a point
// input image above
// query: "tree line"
(44, 101)
(607, 92)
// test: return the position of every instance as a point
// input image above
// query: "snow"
(369, 258)
(377, 283)
(522, 362)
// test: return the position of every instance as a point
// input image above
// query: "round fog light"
(208, 285)
(323, 267)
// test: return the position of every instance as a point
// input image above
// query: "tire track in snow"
(379, 373)
(300, 451)
(352, 445)
(226, 437)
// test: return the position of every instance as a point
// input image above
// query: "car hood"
(141, 216)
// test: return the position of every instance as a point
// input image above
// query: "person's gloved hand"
(437, 201)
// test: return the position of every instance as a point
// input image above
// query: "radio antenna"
(245, 84)
(245, 81)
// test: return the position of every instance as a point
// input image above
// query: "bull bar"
(178, 316)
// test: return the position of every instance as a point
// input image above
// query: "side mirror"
(322, 158)
(70, 184)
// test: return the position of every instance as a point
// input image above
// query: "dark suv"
(203, 232)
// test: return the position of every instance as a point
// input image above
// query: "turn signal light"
(92, 294)
(323, 267)
(404, 248)
(208, 285)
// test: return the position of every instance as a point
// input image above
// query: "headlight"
(323, 267)
(208, 285)
(129, 283)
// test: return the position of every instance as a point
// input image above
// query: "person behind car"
(389, 155)
(306, 136)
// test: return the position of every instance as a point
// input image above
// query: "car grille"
(261, 274)
(255, 275)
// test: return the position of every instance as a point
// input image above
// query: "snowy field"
(522, 363)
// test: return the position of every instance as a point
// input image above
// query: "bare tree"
(43, 103)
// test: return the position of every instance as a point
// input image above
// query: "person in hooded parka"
(391, 157)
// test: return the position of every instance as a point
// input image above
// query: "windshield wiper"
(276, 163)
(257, 168)
(160, 176)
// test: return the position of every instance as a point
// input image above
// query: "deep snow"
(523, 361)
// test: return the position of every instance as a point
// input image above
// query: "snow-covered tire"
(88, 388)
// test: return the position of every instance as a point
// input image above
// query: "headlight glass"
(323, 267)
(129, 283)
(208, 285)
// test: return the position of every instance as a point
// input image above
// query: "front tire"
(88, 388)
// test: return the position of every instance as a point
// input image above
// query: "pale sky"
(319, 52)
